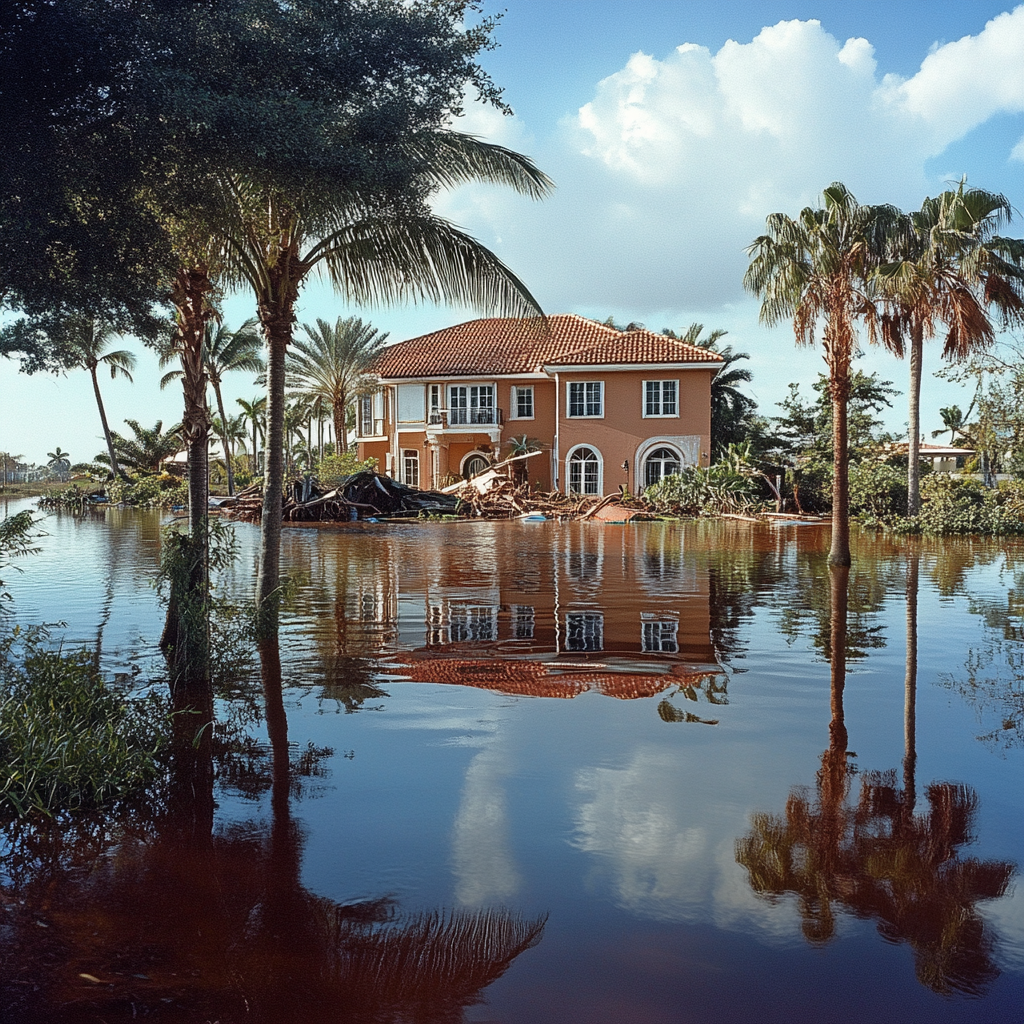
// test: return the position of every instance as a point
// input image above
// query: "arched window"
(661, 463)
(584, 466)
(474, 463)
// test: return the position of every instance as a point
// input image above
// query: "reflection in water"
(880, 859)
(177, 921)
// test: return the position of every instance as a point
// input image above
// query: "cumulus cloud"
(669, 170)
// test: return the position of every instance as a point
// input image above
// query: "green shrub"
(878, 490)
(67, 741)
(159, 491)
(699, 491)
(332, 469)
(958, 505)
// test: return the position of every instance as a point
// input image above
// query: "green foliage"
(67, 741)
(728, 486)
(955, 505)
(162, 491)
(878, 490)
(15, 540)
(332, 469)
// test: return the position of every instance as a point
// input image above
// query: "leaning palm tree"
(947, 265)
(953, 420)
(819, 267)
(331, 363)
(87, 341)
(374, 249)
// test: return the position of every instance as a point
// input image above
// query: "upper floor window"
(661, 398)
(659, 635)
(522, 403)
(586, 398)
(370, 421)
(435, 404)
(584, 631)
(471, 403)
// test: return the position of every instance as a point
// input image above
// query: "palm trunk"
(278, 330)
(914, 412)
(839, 387)
(910, 689)
(224, 437)
(114, 468)
(338, 409)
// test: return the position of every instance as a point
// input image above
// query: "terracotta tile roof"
(538, 679)
(511, 345)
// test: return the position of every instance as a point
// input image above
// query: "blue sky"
(672, 130)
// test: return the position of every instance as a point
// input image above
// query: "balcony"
(474, 417)
(371, 427)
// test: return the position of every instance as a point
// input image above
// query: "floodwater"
(530, 772)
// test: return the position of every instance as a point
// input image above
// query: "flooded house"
(607, 408)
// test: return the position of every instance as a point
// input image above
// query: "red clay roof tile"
(511, 345)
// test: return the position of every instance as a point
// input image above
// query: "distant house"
(607, 407)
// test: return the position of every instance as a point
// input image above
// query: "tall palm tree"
(946, 264)
(87, 340)
(374, 249)
(256, 414)
(331, 364)
(820, 266)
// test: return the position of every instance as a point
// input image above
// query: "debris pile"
(363, 495)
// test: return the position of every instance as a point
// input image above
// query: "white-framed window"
(584, 631)
(411, 467)
(661, 398)
(662, 462)
(472, 622)
(585, 398)
(522, 403)
(523, 619)
(410, 403)
(659, 634)
(434, 414)
(471, 403)
(584, 470)
(366, 416)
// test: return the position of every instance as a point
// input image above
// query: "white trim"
(600, 466)
(627, 367)
(568, 401)
(661, 399)
(486, 456)
(513, 402)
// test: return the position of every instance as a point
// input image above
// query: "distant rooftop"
(511, 345)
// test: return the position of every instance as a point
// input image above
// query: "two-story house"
(607, 407)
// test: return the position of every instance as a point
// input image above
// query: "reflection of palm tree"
(879, 859)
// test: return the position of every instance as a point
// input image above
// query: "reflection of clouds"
(636, 818)
(484, 869)
(1006, 916)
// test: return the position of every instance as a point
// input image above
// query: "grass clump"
(68, 741)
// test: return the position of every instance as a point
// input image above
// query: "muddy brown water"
(541, 772)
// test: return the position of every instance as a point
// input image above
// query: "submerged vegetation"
(68, 741)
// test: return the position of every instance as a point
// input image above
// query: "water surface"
(542, 772)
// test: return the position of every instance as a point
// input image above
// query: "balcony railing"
(486, 417)
(371, 427)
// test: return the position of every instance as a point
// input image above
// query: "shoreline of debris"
(371, 497)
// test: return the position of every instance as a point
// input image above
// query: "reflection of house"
(611, 407)
(619, 612)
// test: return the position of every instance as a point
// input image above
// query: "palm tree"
(87, 341)
(224, 350)
(820, 266)
(374, 250)
(944, 268)
(59, 462)
(149, 447)
(729, 406)
(256, 414)
(331, 364)
(953, 420)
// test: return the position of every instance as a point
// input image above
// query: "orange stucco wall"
(616, 436)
